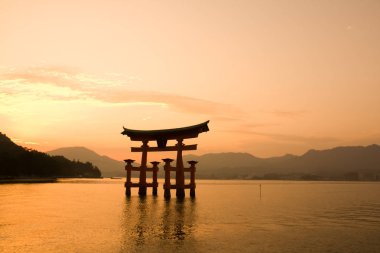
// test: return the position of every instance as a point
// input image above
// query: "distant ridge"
(108, 166)
(339, 163)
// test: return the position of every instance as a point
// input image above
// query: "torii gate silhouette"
(161, 137)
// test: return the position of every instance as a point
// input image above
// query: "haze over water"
(226, 216)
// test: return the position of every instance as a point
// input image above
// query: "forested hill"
(16, 161)
(108, 166)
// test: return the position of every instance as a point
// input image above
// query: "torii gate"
(161, 137)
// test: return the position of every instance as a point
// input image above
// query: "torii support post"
(192, 177)
(128, 168)
(167, 186)
(155, 183)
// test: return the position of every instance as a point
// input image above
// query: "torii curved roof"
(166, 134)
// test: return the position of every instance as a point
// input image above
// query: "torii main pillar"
(180, 173)
(143, 167)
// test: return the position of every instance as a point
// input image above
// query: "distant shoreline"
(56, 180)
(27, 180)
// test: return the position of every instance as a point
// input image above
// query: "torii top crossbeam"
(163, 135)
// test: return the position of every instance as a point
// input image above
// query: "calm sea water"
(226, 216)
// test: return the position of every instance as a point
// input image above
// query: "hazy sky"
(274, 77)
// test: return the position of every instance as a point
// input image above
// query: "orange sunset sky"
(273, 77)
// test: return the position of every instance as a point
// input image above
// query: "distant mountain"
(337, 161)
(341, 163)
(226, 165)
(16, 161)
(108, 166)
(353, 163)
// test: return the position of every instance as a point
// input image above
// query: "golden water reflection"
(227, 216)
(151, 221)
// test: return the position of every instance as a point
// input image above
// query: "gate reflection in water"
(152, 221)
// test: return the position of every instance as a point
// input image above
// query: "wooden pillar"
(128, 168)
(180, 173)
(192, 178)
(155, 183)
(167, 168)
(142, 183)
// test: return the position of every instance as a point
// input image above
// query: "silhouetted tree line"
(16, 161)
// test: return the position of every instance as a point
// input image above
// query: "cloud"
(61, 76)
(23, 142)
(373, 138)
(258, 125)
(298, 138)
(287, 137)
(63, 84)
(227, 118)
(288, 114)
